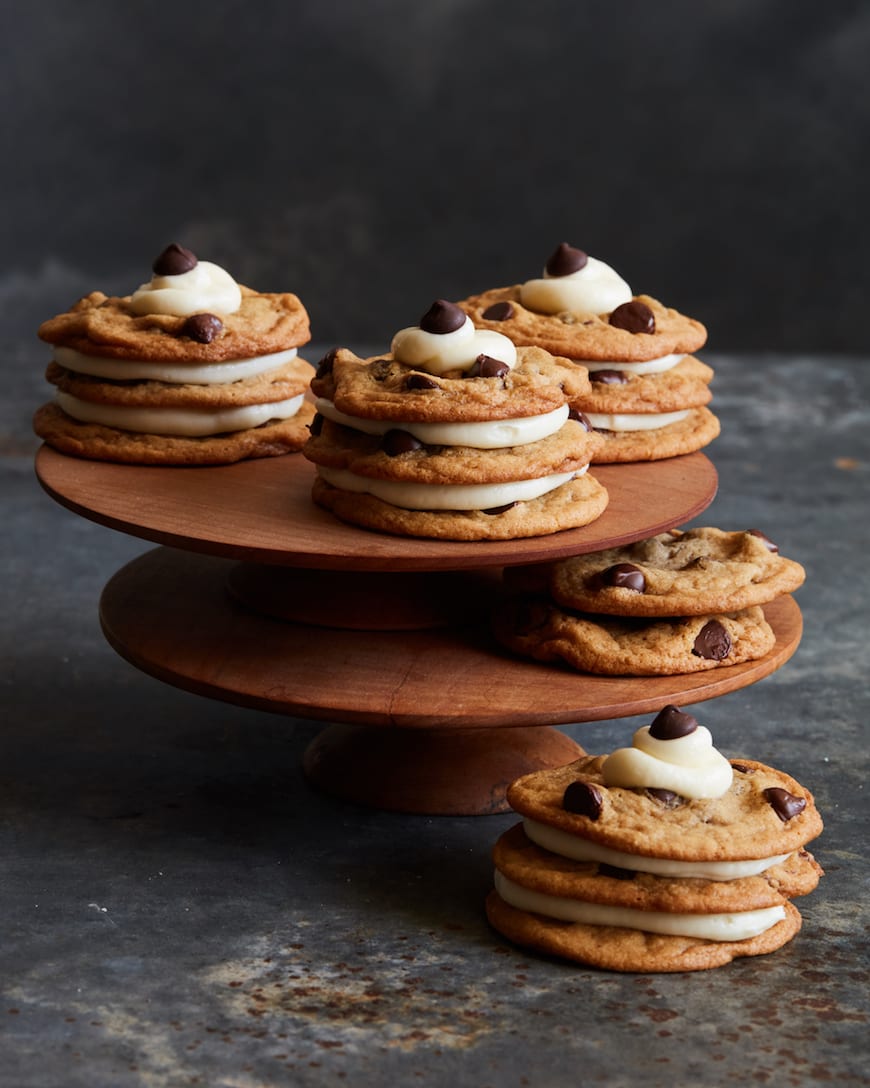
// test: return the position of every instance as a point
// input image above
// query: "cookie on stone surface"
(647, 394)
(677, 573)
(456, 435)
(664, 856)
(192, 368)
(603, 645)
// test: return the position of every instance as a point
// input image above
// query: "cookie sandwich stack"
(191, 369)
(679, 602)
(648, 394)
(456, 434)
(660, 857)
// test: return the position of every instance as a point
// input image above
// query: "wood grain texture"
(262, 511)
(168, 613)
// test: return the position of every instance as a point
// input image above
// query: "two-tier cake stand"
(257, 597)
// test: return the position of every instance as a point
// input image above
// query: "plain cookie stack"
(660, 857)
(679, 602)
(191, 369)
(648, 394)
(455, 434)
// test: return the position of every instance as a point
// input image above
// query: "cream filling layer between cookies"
(593, 289)
(734, 926)
(490, 435)
(438, 353)
(98, 366)
(634, 421)
(570, 846)
(649, 366)
(187, 423)
(205, 288)
(412, 496)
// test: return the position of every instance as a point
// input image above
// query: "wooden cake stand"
(257, 597)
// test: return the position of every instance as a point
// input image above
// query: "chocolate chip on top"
(420, 381)
(633, 316)
(174, 260)
(442, 317)
(712, 642)
(626, 576)
(324, 367)
(583, 798)
(566, 259)
(783, 803)
(484, 366)
(581, 418)
(768, 543)
(202, 327)
(499, 311)
(671, 723)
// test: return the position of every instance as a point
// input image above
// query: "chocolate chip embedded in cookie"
(697, 572)
(627, 646)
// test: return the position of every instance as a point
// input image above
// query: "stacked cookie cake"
(648, 394)
(191, 369)
(663, 856)
(456, 434)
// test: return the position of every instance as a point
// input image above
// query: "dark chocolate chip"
(202, 327)
(484, 366)
(580, 418)
(625, 576)
(493, 510)
(608, 377)
(614, 872)
(584, 799)
(499, 311)
(633, 316)
(442, 317)
(324, 367)
(395, 442)
(174, 260)
(671, 723)
(566, 259)
(768, 543)
(420, 381)
(783, 803)
(712, 642)
(742, 767)
(667, 797)
(316, 425)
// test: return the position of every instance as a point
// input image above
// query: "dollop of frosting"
(595, 288)
(204, 287)
(686, 763)
(458, 348)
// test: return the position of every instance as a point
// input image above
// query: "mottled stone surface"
(179, 907)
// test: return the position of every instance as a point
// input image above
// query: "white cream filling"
(570, 846)
(232, 370)
(438, 353)
(689, 765)
(489, 435)
(205, 288)
(634, 421)
(593, 289)
(414, 496)
(735, 926)
(189, 423)
(648, 366)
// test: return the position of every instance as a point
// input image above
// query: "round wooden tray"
(262, 511)
(169, 613)
(385, 635)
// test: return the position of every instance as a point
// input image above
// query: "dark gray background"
(372, 156)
